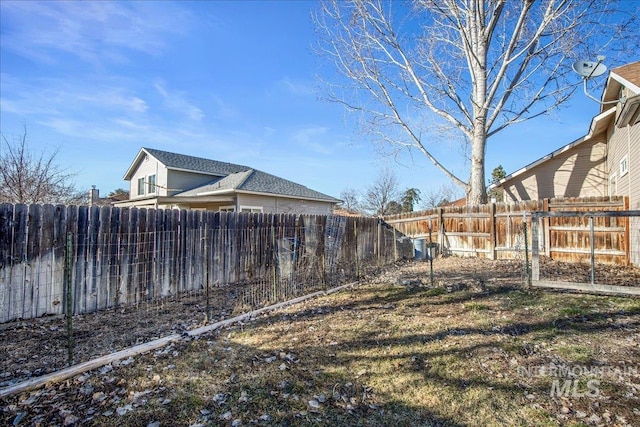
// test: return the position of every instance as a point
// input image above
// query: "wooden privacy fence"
(495, 230)
(91, 258)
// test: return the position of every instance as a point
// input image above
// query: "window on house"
(227, 209)
(251, 209)
(151, 181)
(624, 166)
(141, 186)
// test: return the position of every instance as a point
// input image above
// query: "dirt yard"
(474, 348)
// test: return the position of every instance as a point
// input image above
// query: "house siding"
(634, 190)
(617, 150)
(272, 204)
(148, 166)
(578, 172)
(625, 142)
(180, 181)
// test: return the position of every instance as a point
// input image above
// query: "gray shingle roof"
(196, 164)
(262, 182)
(229, 182)
(235, 177)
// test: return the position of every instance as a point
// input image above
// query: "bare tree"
(476, 66)
(381, 196)
(441, 196)
(350, 200)
(29, 178)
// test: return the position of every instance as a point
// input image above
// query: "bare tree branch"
(478, 65)
(28, 178)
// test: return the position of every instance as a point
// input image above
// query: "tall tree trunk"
(477, 193)
(478, 67)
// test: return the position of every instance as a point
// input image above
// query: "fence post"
(627, 231)
(535, 249)
(592, 248)
(441, 230)
(546, 224)
(492, 230)
(430, 252)
(355, 234)
(274, 257)
(379, 246)
(68, 266)
(526, 243)
(206, 272)
(395, 245)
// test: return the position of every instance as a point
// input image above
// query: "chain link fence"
(598, 251)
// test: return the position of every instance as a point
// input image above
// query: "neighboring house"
(161, 179)
(96, 200)
(604, 162)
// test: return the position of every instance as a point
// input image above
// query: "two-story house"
(161, 179)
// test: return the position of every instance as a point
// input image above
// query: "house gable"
(621, 79)
(146, 176)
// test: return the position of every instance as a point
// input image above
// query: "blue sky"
(232, 81)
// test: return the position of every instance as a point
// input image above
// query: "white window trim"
(252, 208)
(230, 208)
(148, 184)
(141, 188)
(624, 166)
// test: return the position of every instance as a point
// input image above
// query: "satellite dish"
(588, 69)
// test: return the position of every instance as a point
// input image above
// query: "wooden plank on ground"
(588, 287)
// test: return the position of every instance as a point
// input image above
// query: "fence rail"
(124, 256)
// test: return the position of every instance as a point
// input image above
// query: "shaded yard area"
(477, 348)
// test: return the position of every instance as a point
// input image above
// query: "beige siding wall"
(272, 204)
(179, 181)
(633, 134)
(149, 166)
(624, 143)
(617, 151)
(577, 172)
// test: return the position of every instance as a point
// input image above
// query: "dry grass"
(381, 354)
